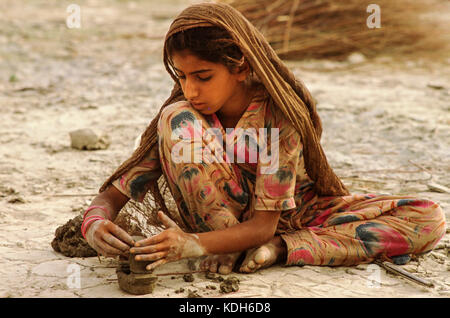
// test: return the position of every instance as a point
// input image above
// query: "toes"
(251, 264)
(249, 267)
(204, 265)
(224, 269)
(213, 267)
(262, 256)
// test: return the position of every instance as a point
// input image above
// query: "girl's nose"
(190, 90)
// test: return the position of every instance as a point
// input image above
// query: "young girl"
(230, 85)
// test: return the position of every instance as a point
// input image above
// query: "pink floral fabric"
(222, 184)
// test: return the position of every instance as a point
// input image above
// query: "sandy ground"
(386, 130)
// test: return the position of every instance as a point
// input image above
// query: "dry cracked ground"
(386, 130)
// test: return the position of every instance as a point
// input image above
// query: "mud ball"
(188, 278)
(69, 241)
(229, 285)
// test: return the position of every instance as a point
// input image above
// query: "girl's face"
(208, 86)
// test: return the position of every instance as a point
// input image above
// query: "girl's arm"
(173, 244)
(240, 237)
(111, 199)
(104, 236)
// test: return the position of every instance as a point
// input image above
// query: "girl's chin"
(206, 110)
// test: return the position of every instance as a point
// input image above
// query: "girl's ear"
(243, 70)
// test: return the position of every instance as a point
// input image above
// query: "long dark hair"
(212, 44)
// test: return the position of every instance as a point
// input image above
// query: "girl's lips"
(197, 105)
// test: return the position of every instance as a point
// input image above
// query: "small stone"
(180, 290)
(87, 139)
(229, 285)
(213, 277)
(193, 294)
(356, 57)
(188, 278)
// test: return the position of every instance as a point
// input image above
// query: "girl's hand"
(108, 239)
(170, 245)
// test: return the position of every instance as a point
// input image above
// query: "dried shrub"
(301, 29)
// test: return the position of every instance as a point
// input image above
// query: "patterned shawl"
(287, 92)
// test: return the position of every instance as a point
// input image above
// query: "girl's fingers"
(116, 243)
(149, 249)
(151, 257)
(151, 240)
(156, 264)
(168, 222)
(107, 249)
(121, 234)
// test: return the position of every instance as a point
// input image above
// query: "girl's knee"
(432, 226)
(175, 115)
(434, 213)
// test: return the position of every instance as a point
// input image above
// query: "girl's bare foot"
(264, 256)
(222, 264)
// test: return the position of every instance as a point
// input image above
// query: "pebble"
(229, 285)
(356, 57)
(214, 277)
(188, 278)
(193, 294)
(87, 139)
(180, 290)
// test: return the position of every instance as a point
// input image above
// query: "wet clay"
(133, 277)
(229, 285)
(69, 241)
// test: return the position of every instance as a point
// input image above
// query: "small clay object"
(229, 285)
(133, 277)
(214, 277)
(136, 284)
(138, 267)
(188, 278)
(193, 294)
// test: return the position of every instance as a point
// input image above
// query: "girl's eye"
(204, 79)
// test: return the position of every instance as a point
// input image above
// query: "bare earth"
(386, 130)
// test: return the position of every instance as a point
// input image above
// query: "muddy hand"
(108, 239)
(170, 245)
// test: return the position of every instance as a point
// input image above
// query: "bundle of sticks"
(299, 29)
